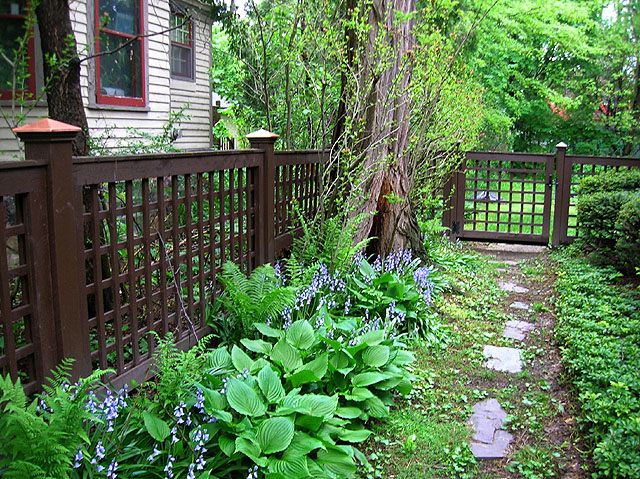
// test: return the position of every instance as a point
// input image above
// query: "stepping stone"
(503, 359)
(517, 329)
(519, 305)
(508, 262)
(511, 287)
(489, 441)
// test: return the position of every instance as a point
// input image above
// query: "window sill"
(100, 106)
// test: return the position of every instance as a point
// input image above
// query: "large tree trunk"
(64, 97)
(386, 137)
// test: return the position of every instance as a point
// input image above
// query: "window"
(13, 23)
(181, 46)
(120, 73)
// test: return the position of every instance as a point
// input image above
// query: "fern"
(41, 442)
(253, 299)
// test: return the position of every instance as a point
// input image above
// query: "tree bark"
(64, 97)
(386, 136)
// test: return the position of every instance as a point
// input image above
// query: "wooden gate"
(520, 197)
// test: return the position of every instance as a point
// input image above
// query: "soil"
(531, 267)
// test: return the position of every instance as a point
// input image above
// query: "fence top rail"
(92, 170)
(506, 156)
(19, 164)
(604, 160)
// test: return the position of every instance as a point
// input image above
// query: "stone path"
(489, 441)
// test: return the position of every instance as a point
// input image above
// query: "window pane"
(181, 61)
(12, 7)
(120, 15)
(181, 31)
(11, 29)
(120, 72)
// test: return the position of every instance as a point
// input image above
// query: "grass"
(427, 434)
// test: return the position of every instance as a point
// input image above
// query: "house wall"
(164, 94)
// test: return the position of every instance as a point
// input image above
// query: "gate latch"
(551, 183)
(455, 227)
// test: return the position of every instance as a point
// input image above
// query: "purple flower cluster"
(424, 284)
(397, 261)
(252, 473)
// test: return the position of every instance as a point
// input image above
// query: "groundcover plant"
(292, 399)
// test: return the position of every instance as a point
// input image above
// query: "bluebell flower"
(178, 412)
(78, 458)
(169, 467)
(154, 454)
(111, 472)
(253, 473)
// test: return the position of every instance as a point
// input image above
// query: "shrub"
(598, 217)
(628, 243)
(611, 180)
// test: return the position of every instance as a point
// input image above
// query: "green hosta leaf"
(223, 416)
(376, 356)
(257, 345)
(354, 435)
(404, 387)
(319, 405)
(286, 355)
(251, 450)
(340, 360)
(270, 385)
(366, 269)
(240, 359)
(303, 377)
(301, 445)
(156, 427)
(373, 337)
(268, 331)
(258, 364)
(243, 399)
(348, 412)
(359, 394)
(347, 325)
(318, 366)
(366, 379)
(301, 335)
(213, 400)
(389, 383)
(376, 407)
(310, 423)
(275, 434)
(337, 462)
(220, 359)
(291, 468)
(227, 444)
(404, 357)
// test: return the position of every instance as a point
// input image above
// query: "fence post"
(264, 140)
(563, 196)
(49, 142)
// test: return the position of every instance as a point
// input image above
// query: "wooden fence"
(520, 197)
(98, 252)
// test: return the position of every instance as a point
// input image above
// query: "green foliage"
(608, 216)
(628, 243)
(600, 349)
(39, 438)
(253, 299)
(139, 141)
(625, 180)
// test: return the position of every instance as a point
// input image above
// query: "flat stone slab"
(503, 359)
(520, 305)
(508, 262)
(512, 287)
(495, 450)
(489, 441)
(517, 329)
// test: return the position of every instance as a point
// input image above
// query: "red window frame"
(191, 73)
(121, 100)
(30, 93)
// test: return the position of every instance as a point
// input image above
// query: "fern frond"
(60, 374)
(24, 470)
(274, 302)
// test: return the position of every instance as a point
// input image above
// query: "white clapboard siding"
(164, 93)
